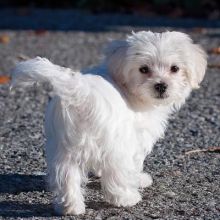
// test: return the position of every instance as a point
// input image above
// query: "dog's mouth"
(161, 96)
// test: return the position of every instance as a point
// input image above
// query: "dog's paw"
(145, 180)
(76, 209)
(126, 199)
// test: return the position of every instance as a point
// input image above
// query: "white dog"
(108, 126)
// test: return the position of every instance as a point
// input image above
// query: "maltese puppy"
(109, 124)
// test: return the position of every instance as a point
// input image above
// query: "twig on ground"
(214, 65)
(22, 57)
(209, 149)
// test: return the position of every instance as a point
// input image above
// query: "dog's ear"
(196, 58)
(115, 54)
(196, 66)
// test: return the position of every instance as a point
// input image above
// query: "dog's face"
(156, 68)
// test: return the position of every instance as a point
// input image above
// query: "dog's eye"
(144, 70)
(174, 69)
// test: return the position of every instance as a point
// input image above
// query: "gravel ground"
(185, 186)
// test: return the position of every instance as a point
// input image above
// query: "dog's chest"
(150, 127)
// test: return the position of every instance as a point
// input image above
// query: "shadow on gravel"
(99, 205)
(19, 209)
(16, 183)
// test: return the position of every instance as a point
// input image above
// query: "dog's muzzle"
(161, 88)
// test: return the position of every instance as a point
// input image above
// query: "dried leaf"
(4, 39)
(4, 79)
(215, 50)
(199, 30)
(40, 32)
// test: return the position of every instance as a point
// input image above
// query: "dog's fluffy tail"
(63, 80)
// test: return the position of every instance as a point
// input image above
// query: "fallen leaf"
(4, 79)
(199, 30)
(4, 39)
(40, 32)
(209, 149)
(215, 50)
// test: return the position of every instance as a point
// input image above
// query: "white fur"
(109, 126)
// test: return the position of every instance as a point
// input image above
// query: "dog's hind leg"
(65, 180)
(65, 174)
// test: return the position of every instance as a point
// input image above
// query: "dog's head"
(156, 68)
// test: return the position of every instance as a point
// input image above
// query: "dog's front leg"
(119, 181)
(145, 179)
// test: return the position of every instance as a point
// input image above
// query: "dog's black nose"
(160, 87)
